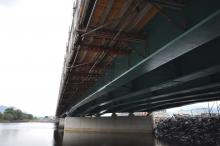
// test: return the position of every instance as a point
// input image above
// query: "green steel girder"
(124, 101)
(197, 94)
(178, 103)
(198, 35)
(154, 101)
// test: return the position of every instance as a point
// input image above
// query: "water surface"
(45, 134)
(26, 134)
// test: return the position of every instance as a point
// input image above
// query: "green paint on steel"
(158, 33)
(194, 32)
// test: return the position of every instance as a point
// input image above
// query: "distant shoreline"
(25, 121)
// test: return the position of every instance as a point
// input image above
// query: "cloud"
(32, 47)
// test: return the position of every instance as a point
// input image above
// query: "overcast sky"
(33, 35)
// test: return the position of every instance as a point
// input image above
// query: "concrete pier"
(61, 123)
(109, 124)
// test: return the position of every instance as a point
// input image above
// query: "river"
(45, 134)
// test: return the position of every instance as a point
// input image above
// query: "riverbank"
(190, 130)
(15, 121)
(25, 121)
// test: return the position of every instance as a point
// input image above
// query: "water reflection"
(45, 134)
(26, 134)
(100, 139)
(58, 137)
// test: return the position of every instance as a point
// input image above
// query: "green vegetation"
(1, 116)
(11, 114)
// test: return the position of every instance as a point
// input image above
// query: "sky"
(192, 108)
(33, 37)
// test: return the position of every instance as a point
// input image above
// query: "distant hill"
(2, 108)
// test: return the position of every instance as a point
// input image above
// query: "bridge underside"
(137, 55)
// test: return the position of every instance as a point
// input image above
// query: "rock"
(190, 130)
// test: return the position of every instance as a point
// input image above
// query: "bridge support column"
(129, 124)
(61, 123)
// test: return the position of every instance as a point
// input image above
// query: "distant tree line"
(12, 114)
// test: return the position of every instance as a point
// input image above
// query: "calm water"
(45, 134)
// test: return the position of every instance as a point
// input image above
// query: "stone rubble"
(190, 130)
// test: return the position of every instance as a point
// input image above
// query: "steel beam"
(167, 4)
(80, 78)
(141, 14)
(88, 66)
(171, 83)
(107, 11)
(76, 83)
(176, 104)
(170, 105)
(82, 75)
(98, 48)
(178, 95)
(109, 34)
(171, 100)
(122, 12)
(78, 73)
(142, 93)
(90, 17)
(85, 7)
(198, 35)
